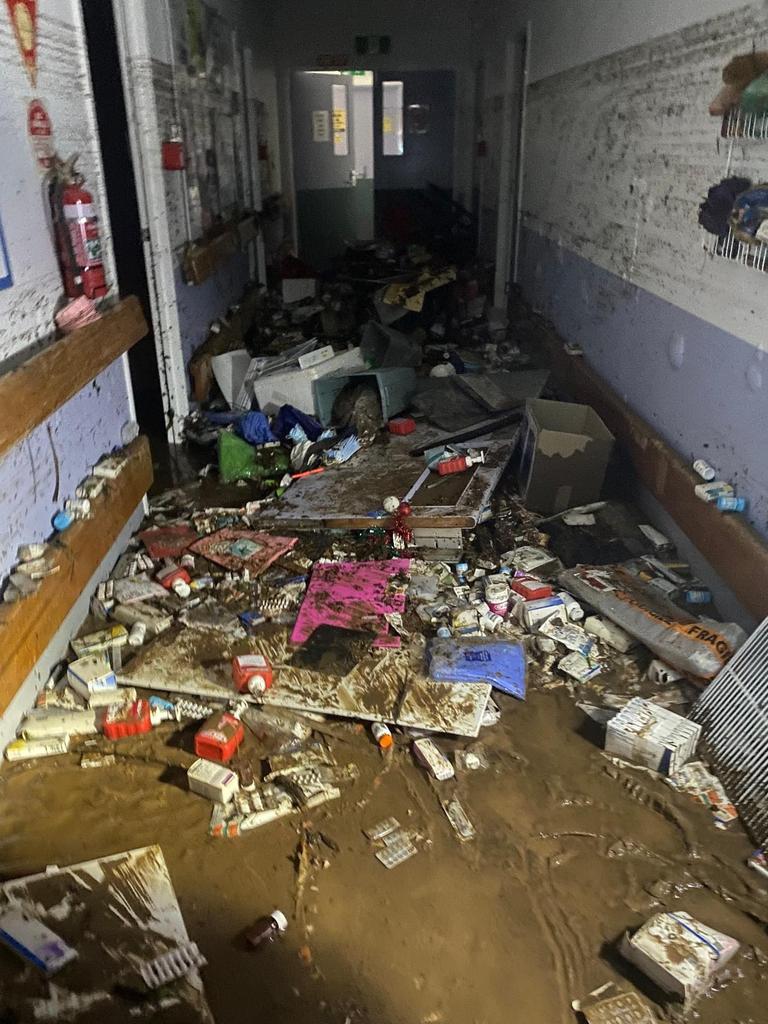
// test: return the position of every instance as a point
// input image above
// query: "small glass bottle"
(266, 929)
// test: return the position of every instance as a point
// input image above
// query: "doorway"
(332, 131)
(373, 155)
(109, 101)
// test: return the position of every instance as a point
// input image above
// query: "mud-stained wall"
(190, 73)
(37, 475)
(620, 153)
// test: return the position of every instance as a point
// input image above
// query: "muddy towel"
(696, 647)
(498, 662)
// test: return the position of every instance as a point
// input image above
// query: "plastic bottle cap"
(257, 684)
(280, 919)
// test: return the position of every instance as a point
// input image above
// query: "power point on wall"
(755, 377)
(677, 350)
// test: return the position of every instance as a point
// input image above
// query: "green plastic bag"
(239, 460)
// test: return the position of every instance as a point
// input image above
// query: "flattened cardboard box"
(563, 457)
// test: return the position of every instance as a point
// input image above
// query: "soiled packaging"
(695, 646)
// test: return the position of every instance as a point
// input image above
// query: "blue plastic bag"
(498, 662)
(253, 427)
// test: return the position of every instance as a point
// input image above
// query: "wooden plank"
(29, 394)
(27, 627)
(202, 259)
(730, 545)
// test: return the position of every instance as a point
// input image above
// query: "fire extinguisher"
(76, 228)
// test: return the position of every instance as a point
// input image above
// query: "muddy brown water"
(570, 852)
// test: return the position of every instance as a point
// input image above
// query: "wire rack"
(730, 248)
(739, 125)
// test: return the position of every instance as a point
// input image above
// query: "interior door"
(334, 190)
(414, 114)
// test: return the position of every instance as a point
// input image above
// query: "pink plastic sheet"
(352, 595)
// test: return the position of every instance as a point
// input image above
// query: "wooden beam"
(728, 542)
(29, 394)
(202, 259)
(27, 627)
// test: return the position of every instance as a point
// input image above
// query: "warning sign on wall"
(40, 132)
(23, 14)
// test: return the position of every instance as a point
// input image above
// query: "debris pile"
(260, 658)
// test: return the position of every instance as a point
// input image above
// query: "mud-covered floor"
(570, 852)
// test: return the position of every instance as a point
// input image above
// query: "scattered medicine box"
(647, 734)
(679, 953)
(564, 455)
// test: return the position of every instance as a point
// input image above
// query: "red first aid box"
(219, 737)
(129, 719)
(531, 589)
(252, 673)
(402, 425)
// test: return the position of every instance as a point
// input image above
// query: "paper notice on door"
(321, 126)
(340, 138)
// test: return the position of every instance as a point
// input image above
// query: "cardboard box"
(564, 455)
(679, 953)
(653, 736)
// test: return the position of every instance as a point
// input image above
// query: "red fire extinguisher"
(76, 227)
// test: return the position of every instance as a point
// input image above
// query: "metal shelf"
(730, 248)
(739, 125)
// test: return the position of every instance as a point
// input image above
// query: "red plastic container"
(252, 673)
(127, 720)
(402, 425)
(531, 589)
(219, 737)
(455, 465)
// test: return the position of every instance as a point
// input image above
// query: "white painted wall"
(567, 33)
(160, 91)
(40, 473)
(64, 87)
(622, 151)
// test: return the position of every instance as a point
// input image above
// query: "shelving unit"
(730, 248)
(739, 125)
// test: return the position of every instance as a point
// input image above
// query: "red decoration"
(402, 534)
(23, 14)
(40, 131)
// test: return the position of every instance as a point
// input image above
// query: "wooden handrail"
(48, 379)
(27, 627)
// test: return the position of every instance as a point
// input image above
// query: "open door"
(332, 123)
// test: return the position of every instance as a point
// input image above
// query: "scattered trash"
(394, 843)
(459, 819)
(612, 1004)
(34, 942)
(655, 737)
(429, 756)
(698, 782)
(170, 966)
(266, 929)
(679, 953)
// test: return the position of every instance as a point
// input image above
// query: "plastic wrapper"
(694, 646)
